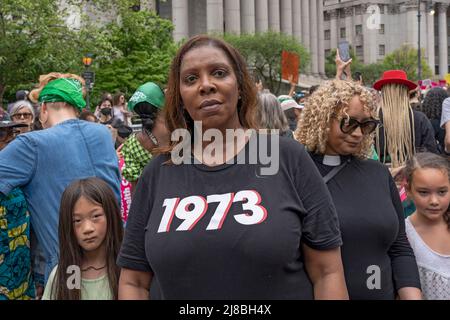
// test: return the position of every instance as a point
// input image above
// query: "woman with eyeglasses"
(23, 112)
(337, 128)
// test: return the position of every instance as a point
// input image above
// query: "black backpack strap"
(335, 171)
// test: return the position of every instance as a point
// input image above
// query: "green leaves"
(404, 58)
(262, 51)
(34, 39)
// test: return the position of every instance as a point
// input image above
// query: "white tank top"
(434, 268)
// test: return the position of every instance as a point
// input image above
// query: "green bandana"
(149, 92)
(64, 90)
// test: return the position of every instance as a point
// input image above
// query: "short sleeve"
(48, 288)
(17, 163)
(445, 116)
(404, 267)
(320, 224)
(132, 253)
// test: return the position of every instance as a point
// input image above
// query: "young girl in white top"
(90, 235)
(428, 229)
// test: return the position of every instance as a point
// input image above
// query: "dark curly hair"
(432, 104)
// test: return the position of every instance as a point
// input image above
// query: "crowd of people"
(92, 208)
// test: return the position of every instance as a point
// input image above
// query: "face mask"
(106, 111)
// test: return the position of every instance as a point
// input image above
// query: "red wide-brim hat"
(394, 76)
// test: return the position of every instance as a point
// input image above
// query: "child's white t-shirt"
(434, 268)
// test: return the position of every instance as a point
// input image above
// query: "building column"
(430, 42)
(314, 37)
(214, 16)
(305, 25)
(321, 38)
(286, 16)
(297, 20)
(370, 45)
(443, 51)
(180, 18)
(248, 16)
(274, 15)
(262, 15)
(233, 16)
(349, 25)
(334, 32)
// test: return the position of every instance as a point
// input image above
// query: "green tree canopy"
(146, 49)
(405, 58)
(34, 39)
(262, 52)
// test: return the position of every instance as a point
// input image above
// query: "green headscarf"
(149, 92)
(64, 90)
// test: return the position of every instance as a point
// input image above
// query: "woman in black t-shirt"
(207, 227)
(337, 129)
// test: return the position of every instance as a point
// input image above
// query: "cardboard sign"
(290, 63)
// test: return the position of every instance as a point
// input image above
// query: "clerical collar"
(332, 161)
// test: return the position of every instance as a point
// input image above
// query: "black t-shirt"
(243, 239)
(373, 229)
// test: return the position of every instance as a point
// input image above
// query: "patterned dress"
(15, 262)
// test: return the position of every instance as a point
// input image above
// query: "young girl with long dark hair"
(90, 235)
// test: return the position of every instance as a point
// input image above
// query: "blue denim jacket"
(43, 163)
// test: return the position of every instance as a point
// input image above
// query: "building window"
(381, 8)
(327, 52)
(358, 10)
(381, 30)
(359, 51)
(358, 29)
(327, 34)
(326, 16)
(342, 13)
(343, 35)
(381, 50)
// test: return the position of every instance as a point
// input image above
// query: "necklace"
(93, 268)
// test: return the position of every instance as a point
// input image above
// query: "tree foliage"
(134, 47)
(146, 49)
(405, 58)
(262, 52)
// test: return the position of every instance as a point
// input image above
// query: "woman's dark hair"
(432, 104)
(116, 98)
(105, 98)
(70, 253)
(175, 115)
(85, 114)
(148, 114)
(427, 160)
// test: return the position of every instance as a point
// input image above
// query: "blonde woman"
(405, 131)
(337, 128)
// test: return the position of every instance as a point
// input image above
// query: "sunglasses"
(18, 116)
(349, 125)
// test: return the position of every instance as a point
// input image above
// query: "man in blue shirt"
(43, 163)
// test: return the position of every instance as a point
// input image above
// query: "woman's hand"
(134, 285)
(293, 85)
(342, 67)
